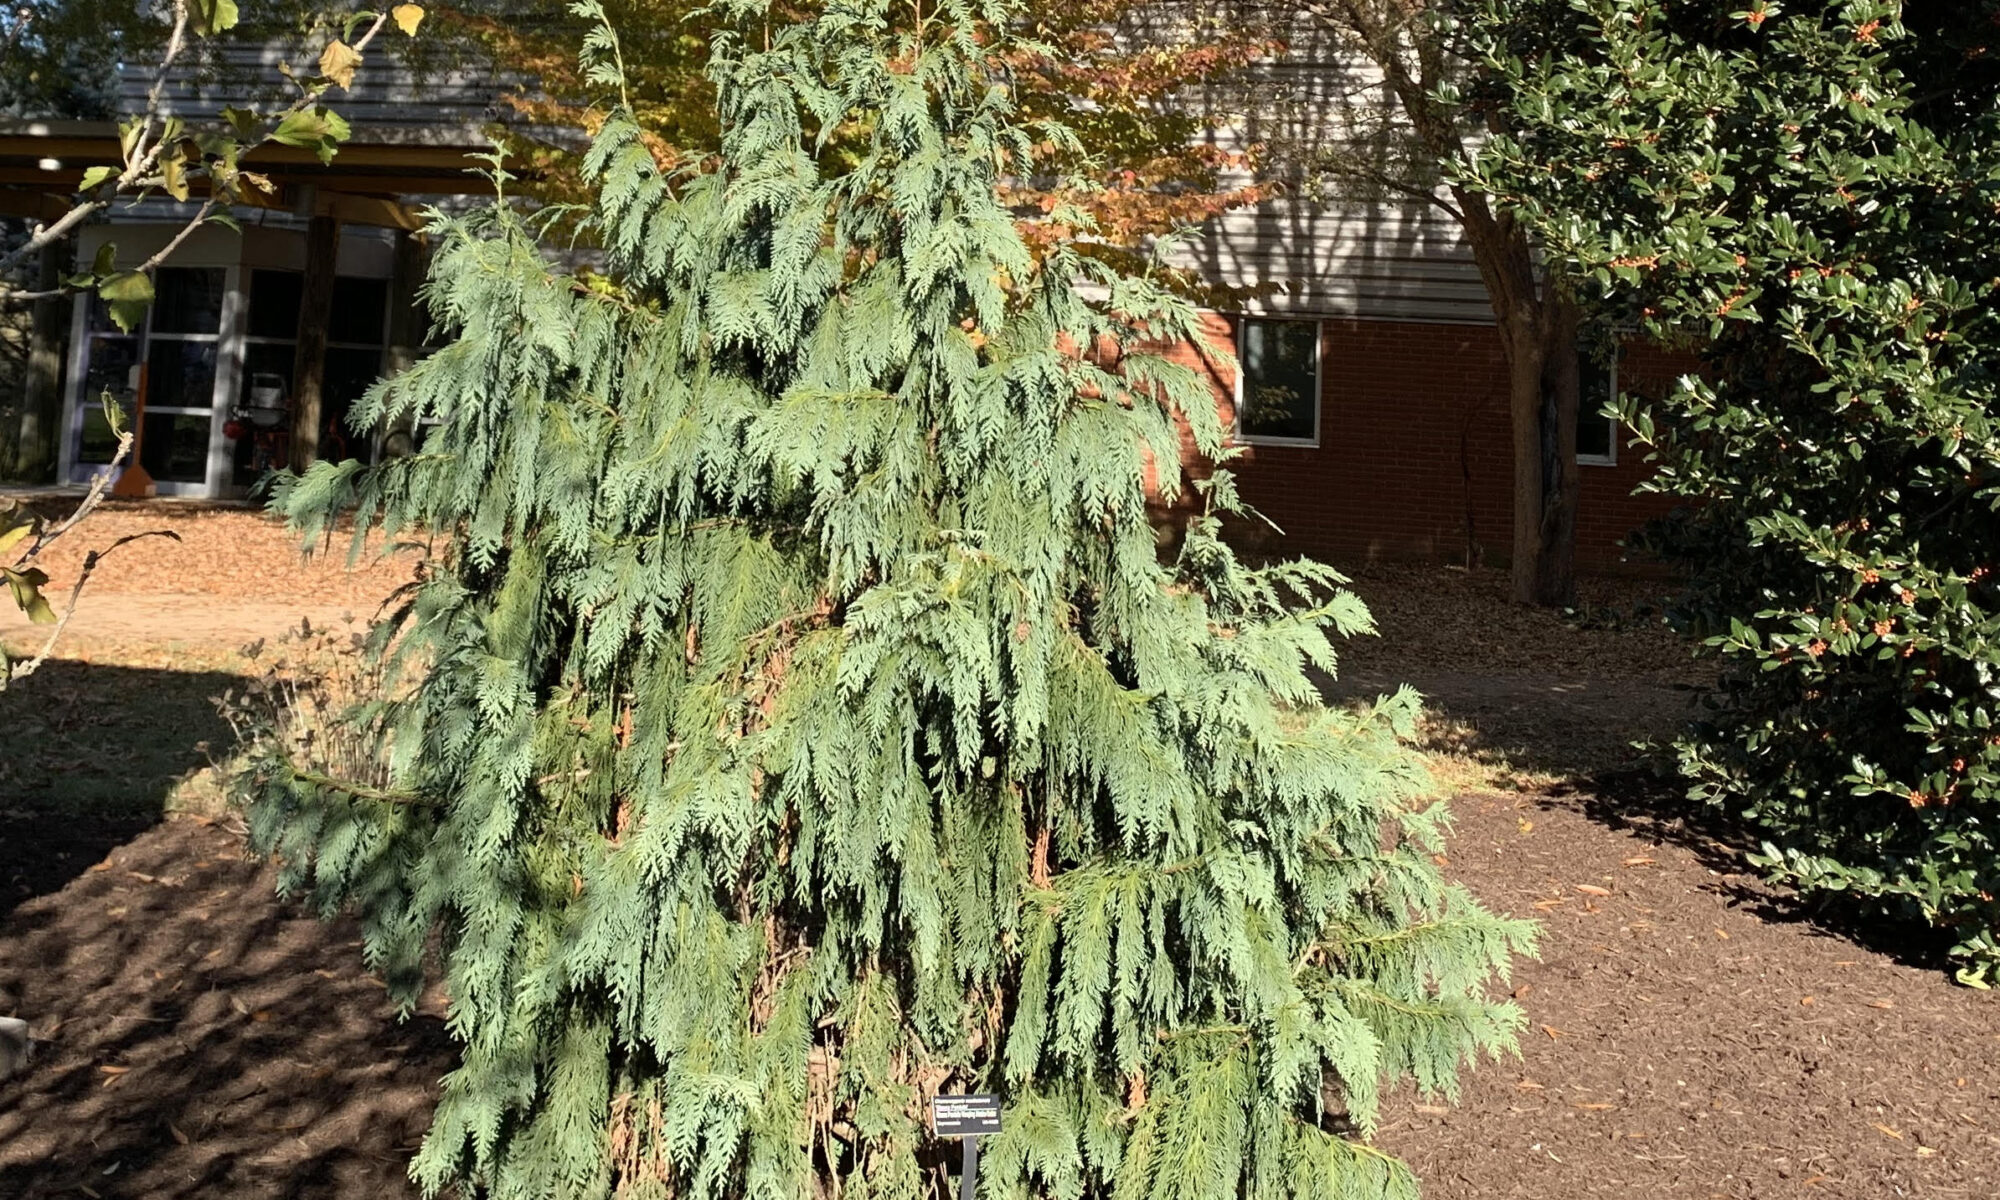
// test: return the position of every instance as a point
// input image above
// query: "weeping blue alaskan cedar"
(802, 717)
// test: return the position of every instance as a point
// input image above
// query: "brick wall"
(1414, 458)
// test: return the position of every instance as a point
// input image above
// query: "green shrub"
(1765, 183)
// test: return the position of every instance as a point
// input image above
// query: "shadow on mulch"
(1651, 804)
(92, 754)
(198, 1038)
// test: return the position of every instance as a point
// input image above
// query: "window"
(1596, 434)
(357, 326)
(1277, 382)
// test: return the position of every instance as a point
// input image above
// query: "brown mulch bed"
(227, 551)
(1690, 1035)
(205, 1040)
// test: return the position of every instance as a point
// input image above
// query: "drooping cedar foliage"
(801, 719)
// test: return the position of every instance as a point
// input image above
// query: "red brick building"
(1403, 450)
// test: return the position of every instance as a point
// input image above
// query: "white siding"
(1348, 251)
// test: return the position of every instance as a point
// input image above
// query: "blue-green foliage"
(802, 720)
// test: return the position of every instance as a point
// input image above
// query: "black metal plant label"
(970, 1117)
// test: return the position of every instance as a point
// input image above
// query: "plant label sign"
(974, 1115)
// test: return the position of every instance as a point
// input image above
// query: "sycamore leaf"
(407, 17)
(27, 588)
(94, 178)
(210, 17)
(338, 61)
(16, 523)
(317, 129)
(127, 294)
(242, 120)
(173, 177)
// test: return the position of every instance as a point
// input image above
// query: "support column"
(41, 399)
(308, 367)
(407, 328)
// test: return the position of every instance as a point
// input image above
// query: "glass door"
(179, 349)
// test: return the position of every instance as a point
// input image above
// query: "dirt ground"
(1690, 1034)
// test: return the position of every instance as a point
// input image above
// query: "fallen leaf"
(1523, 990)
(1881, 1004)
(1925, 1151)
(1591, 889)
(1722, 935)
(262, 1014)
(89, 1191)
(1806, 1000)
(1552, 1031)
(1529, 1085)
(1814, 1180)
(1639, 860)
(174, 1129)
(1525, 824)
(1432, 1110)
(1892, 1133)
(111, 1070)
(238, 1005)
(1546, 905)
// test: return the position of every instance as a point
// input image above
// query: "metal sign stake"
(968, 1173)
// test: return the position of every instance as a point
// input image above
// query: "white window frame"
(77, 406)
(1610, 458)
(1319, 381)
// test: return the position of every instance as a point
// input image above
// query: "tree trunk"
(1551, 578)
(309, 364)
(1542, 386)
(41, 395)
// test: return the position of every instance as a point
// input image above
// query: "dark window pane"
(180, 374)
(1280, 363)
(1597, 383)
(187, 299)
(274, 303)
(110, 369)
(98, 443)
(359, 309)
(348, 376)
(174, 447)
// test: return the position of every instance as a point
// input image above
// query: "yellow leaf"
(407, 17)
(338, 61)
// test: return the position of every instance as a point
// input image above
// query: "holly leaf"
(338, 61)
(407, 17)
